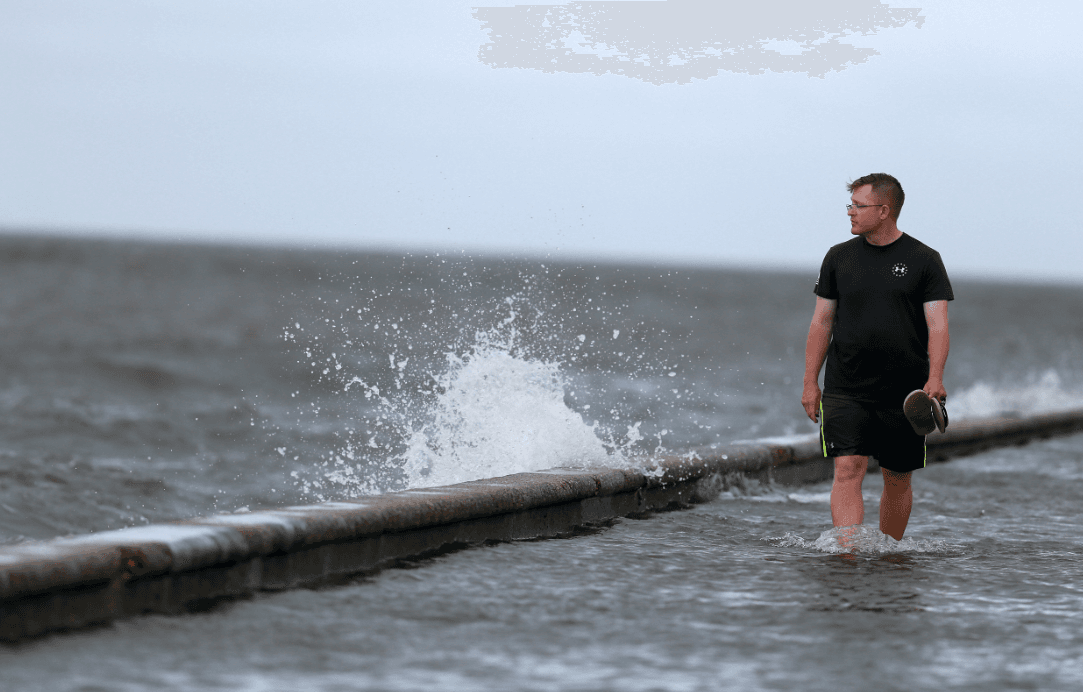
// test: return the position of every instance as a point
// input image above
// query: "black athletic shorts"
(849, 427)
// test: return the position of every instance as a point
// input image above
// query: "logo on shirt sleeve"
(899, 269)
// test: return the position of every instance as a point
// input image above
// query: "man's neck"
(885, 235)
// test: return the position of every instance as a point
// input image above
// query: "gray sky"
(683, 130)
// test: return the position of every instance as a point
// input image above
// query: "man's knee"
(850, 468)
(895, 482)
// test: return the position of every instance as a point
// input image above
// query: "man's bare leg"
(847, 508)
(895, 503)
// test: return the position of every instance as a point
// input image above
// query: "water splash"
(498, 414)
(379, 368)
(491, 408)
(864, 539)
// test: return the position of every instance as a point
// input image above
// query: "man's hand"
(935, 390)
(936, 317)
(810, 399)
(819, 336)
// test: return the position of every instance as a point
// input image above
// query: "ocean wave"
(1041, 393)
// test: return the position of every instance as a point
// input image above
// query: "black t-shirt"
(879, 346)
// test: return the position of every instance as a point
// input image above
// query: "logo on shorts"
(899, 269)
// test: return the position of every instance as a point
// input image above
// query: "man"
(881, 321)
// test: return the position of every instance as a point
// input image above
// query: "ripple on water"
(867, 540)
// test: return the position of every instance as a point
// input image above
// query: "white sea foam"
(791, 439)
(780, 494)
(498, 414)
(810, 498)
(1042, 394)
(865, 540)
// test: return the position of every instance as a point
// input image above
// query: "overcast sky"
(685, 130)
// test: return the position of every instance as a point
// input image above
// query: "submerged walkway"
(183, 566)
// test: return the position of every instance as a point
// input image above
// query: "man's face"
(867, 213)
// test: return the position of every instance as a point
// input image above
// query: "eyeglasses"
(862, 206)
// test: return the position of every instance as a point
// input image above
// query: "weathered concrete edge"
(73, 582)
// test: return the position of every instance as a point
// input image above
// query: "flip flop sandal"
(940, 415)
(924, 413)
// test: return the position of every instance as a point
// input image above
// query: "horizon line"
(676, 261)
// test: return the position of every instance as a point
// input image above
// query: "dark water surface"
(988, 597)
(147, 383)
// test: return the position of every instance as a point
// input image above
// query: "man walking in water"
(881, 321)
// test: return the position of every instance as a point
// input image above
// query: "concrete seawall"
(184, 566)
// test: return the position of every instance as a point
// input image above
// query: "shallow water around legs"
(986, 595)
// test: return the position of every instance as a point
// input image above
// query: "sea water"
(146, 383)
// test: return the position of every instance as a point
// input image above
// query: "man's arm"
(819, 336)
(936, 317)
